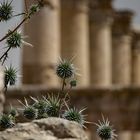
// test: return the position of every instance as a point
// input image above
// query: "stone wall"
(120, 105)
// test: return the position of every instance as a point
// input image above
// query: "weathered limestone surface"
(75, 36)
(43, 30)
(45, 129)
(100, 42)
(121, 48)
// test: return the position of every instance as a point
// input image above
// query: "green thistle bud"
(40, 105)
(6, 10)
(73, 83)
(33, 9)
(6, 121)
(14, 40)
(30, 113)
(74, 115)
(65, 69)
(10, 76)
(13, 112)
(105, 131)
(53, 106)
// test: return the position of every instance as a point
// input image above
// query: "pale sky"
(15, 55)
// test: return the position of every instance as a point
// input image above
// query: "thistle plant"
(6, 11)
(53, 106)
(105, 130)
(29, 112)
(13, 38)
(74, 114)
(40, 105)
(10, 77)
(6, 121)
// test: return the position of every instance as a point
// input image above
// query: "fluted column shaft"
(75, 40)
(136, 59)
(44, 33)
(100, 42)
(121, 49)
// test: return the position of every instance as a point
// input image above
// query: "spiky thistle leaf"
(74, 114)
(6, 10)
(105, 131)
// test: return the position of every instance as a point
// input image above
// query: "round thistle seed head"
(65, 69)
(105, 131)
(10, 76)
(30, 113)
(74, 115)
(14, 40)
(6, 10)
(6, 121)
(53, 106)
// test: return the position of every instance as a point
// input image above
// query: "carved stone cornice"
(122, 23)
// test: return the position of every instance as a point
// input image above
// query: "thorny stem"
(63, 85)
(19, 14)
(17, 27)
(5, 54)
(65, 95)
(7, 35)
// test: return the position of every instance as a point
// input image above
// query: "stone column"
(136, 135)
(121, 49)
(125, 135)
(2, 98)
(75, 36)
(43, 30)
(100, 42)
(136, 69)
(136, 59)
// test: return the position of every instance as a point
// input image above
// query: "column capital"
(101, 11)
(79, 5)
(122, 23)
(136, 40)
